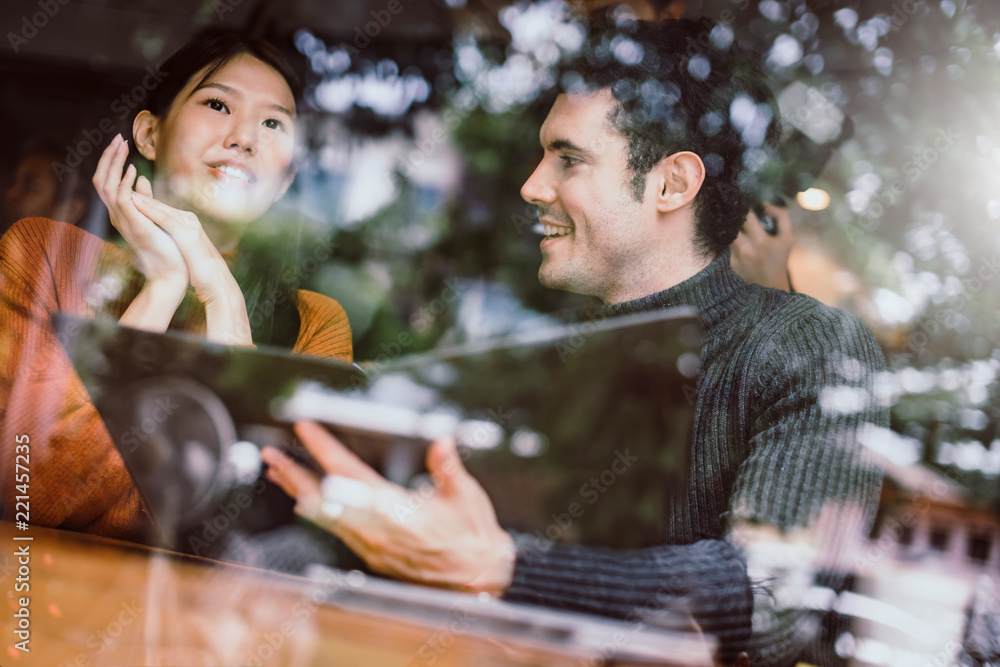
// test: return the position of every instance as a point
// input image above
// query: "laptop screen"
(577, 432)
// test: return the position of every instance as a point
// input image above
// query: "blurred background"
(421, 126)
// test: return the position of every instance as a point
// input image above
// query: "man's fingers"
(742, 247)
(293, 479)
(753, 228)
(781, 218)
(333, 456)
(446, 468)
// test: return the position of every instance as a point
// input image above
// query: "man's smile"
(552, 231)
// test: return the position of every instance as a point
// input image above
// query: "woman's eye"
(274, 124)
(216, 105)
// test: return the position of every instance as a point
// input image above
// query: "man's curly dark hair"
(683, 85)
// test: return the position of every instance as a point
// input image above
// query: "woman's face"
(224, 149)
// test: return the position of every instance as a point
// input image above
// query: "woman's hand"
(207, 270)
(443, 535)
(213, 283)
(157, 255)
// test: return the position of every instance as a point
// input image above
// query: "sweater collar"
(705, 291)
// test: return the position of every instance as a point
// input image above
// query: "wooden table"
(94, 601)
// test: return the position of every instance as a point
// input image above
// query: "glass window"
(978, 548)
(939, 538)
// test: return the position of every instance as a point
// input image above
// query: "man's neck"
(671, 271)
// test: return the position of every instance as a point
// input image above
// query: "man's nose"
(537, 188)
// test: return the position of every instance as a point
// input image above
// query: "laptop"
(578, 432)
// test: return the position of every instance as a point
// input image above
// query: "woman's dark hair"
(265, 258)
(213, 48)
(684, 85)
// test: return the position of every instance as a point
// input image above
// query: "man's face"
(34, 191)
(597, 234)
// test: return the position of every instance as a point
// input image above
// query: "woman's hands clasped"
(172, 251)
(157, 255)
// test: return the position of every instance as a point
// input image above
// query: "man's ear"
(145, 131)
(679, 178)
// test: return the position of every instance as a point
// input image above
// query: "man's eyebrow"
(567, 145)
(232, 91)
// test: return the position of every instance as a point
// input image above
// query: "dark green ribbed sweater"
(786, 396)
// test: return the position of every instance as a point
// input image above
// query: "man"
(649, 170)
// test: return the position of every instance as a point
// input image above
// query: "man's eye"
(274, 124)
(216, 105)
(568, 160)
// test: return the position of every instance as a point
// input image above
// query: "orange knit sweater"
(77, 478)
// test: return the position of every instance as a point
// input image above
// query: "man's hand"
(446, 535)
(761, 258)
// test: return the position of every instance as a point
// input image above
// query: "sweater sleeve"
(325, 330)
(804, 491)
(77, 480)
(706, 580)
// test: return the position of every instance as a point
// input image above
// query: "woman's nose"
(243, 136)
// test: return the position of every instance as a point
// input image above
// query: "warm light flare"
(813, 199)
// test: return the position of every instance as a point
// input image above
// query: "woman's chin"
(228, 211)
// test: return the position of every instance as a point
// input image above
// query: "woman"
(220, 132)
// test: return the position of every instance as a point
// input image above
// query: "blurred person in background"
(37, 191)
(197, 257)
(760, 257)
